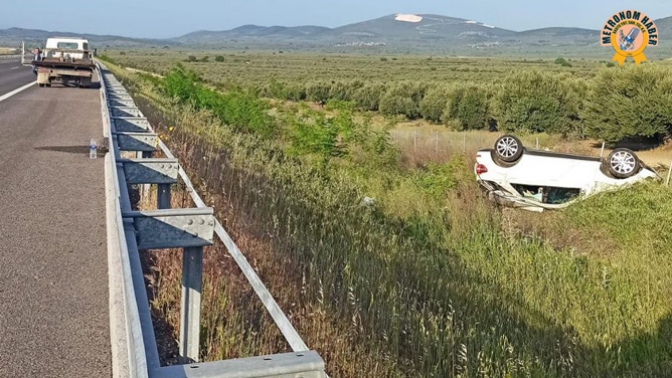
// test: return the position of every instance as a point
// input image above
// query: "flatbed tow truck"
(65, 60)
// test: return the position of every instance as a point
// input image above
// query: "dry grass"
(444, 293)
(234, 323)
(421, 142)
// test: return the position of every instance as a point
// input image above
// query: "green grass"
(429, 282)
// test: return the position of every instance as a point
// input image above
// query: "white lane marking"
(19, 90)
(15, 68)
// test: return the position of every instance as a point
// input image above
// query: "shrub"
(219, 58)
(437, 179)
(344, 91)
(630, 102)
(294, 92)
(433, 104)
(531, 101)
(392, 104)
(282, 91)
(318, 91)
(242, 111)
(560, 61)
(368, 97)
(469, 105)
(318, 137)
(403, 98)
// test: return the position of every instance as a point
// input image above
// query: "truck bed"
(58, 64)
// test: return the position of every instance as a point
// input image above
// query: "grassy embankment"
(431, 281)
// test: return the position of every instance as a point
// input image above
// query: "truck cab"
(75, 48)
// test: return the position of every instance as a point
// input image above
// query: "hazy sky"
(172, 18)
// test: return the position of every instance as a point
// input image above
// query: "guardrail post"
(144, 188)
(163, 196)
(190, 309)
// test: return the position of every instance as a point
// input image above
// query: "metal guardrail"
(137, 356)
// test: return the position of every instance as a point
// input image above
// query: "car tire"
(508, 149)
(623, 163)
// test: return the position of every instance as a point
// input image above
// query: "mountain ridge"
(390, 33)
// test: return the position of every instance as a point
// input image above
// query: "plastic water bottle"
(93, 149)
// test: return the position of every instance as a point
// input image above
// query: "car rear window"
(68, 45)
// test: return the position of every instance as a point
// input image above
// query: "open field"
(573, 98)
(433, 280)
(253, 68)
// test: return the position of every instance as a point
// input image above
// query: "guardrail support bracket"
(150, 171)
(126, 111)
(176, 228)
(146, 142)
(131, 125)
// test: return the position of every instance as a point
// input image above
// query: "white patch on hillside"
(488, 26)
(408, 18)
(470, 22)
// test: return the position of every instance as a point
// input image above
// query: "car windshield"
(68, 45)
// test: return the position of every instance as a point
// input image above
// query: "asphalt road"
(13, 75)
(54, 314)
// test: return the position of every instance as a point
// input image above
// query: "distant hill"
(14, 36)
(384, 31)
(429, 26)
(400, 33)
(252, 31)
(426, 33)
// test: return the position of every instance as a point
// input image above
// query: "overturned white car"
(536, 180)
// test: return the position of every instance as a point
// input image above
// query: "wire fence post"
(602, 150)
(669, 173)
(464, 142)
(144, 188)
(415, 141)
(537, 143)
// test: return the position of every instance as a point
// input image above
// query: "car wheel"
(623, 163)
(508, 148)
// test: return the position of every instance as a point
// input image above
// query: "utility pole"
(23, 52)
